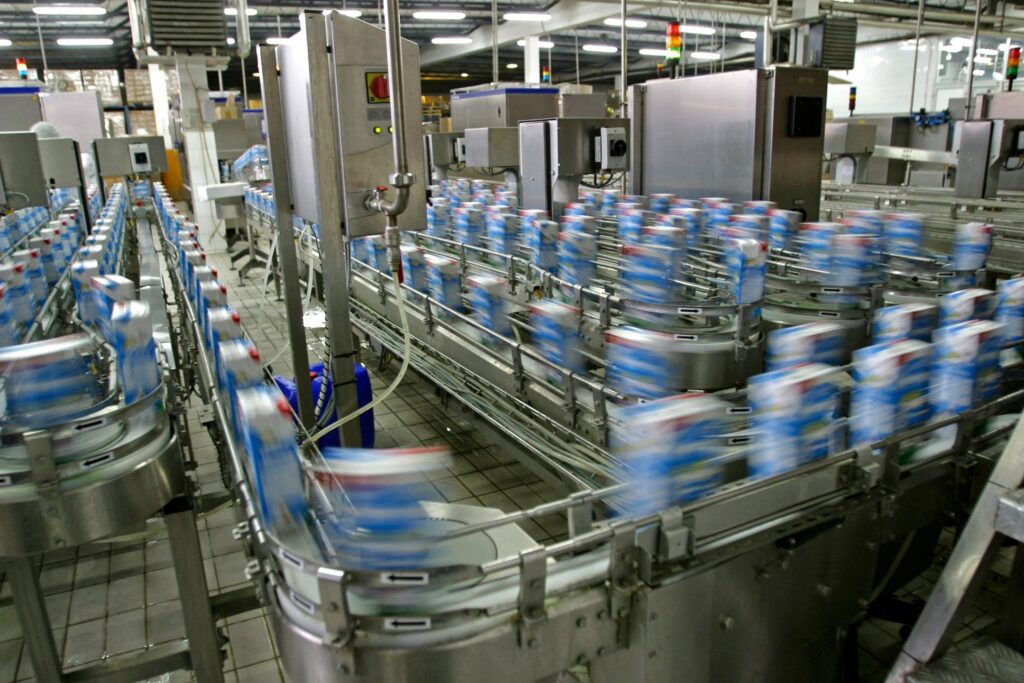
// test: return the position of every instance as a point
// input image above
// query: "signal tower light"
(1012, 65)
(22, 67)
(673, 42)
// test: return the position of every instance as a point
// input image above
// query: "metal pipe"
(42, 47)
(624, 63)
(244, 39)
(494, 41)
(917, 42)
(401, 179)
(970, 60)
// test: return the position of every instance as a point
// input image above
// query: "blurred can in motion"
(891, 390)
(904, 321)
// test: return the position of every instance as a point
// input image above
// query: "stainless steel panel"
(60, 162)
(972, 169)
(363, 126)
(492, 147)
(849, 138)
(584, 106)
(19, 112)
(293, 62)
(77, 115)
(502, 107)
(1005, 105)
(230, 138)
(892, 131)
(534, 170)
(702, 136)
(359, 49)
(114, 159)
(792, 165)
(21, 171)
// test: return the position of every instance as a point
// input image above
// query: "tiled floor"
(110, 599)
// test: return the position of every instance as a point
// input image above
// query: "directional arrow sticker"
(407, 624)
(405, 578)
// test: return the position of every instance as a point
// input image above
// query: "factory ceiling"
(572, 29)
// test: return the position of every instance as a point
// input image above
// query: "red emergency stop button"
(379, 87)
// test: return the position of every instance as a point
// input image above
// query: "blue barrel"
(364, 394)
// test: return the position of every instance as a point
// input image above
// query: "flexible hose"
(406, 354)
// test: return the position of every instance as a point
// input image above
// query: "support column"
(200, 148)
(531, 60)
(803, 9)
(161, 102)
(203, 639)
(34, 620)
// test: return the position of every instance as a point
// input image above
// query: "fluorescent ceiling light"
(962, 42)
(996, 75)
(748, 35)
(630, 23)
(979, 72)
(543, 44)
(951, 48)
(983, 60)
(70, 10)
(697, 30)
(526, 16)
(233, 11)
(256, 74)
(513, 66)
(85, 42)
(464, 75)
(231, 41)
(451, 40)
(1003, 47)
(705, 56)
(988, 52)
(593, 47)
(439, 15)
(653, 52)
(5, 42)
(276, 40)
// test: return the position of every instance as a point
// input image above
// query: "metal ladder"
(998, 514)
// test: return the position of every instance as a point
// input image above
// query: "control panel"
(138, 157)
(612, 149)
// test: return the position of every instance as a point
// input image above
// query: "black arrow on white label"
(407, 624)
(405, 578)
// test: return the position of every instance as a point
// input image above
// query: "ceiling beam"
(565, 15)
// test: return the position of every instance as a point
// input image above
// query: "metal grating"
(187, 25)
(832, 43)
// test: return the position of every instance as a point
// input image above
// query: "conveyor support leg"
(204, 641)
(35, 622)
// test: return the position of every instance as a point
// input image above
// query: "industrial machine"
(22, 183)
(662, 596)
(501, 105)
(440, 152)
(93, 442)
(746, 135)
(494, 149)
(986, 150)
(556, 154)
